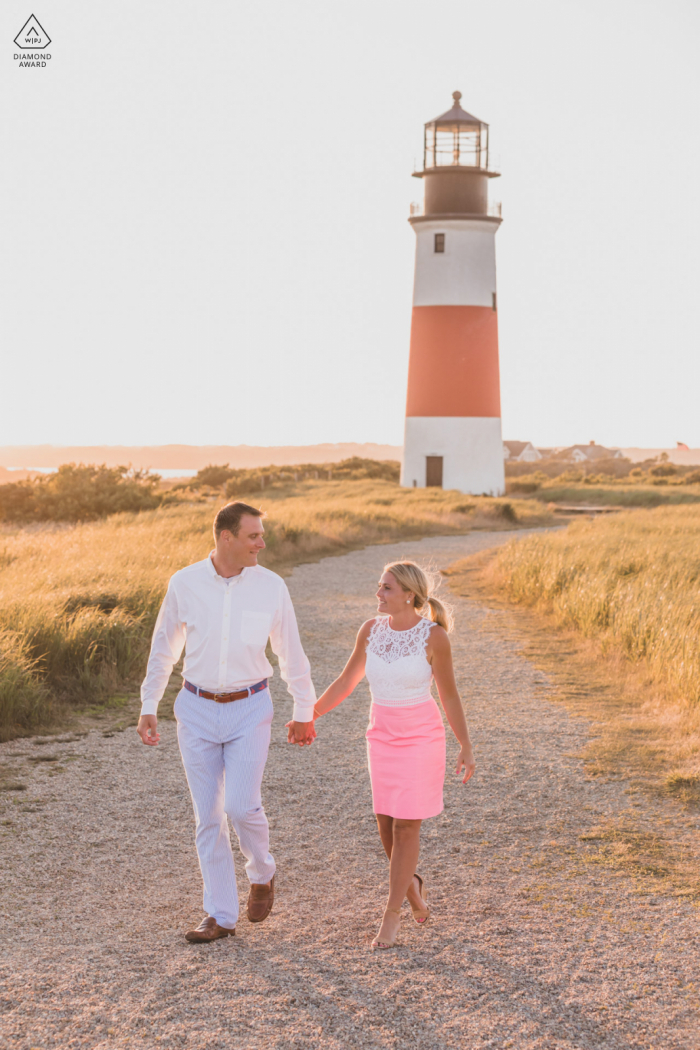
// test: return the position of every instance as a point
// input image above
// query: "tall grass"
(78, 603)
(599, 490)
(631, 496)
(25, 701)
(631, 580)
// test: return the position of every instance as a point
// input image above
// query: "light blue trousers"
(224, 749)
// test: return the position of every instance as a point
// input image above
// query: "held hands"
(466, 761)
(300, 732)
(147, 730)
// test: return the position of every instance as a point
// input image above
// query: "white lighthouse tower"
(453, 407)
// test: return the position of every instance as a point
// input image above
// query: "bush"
(663, 470)
(354, 469)
(79, 493)
(213, 476)
(613, 468)
(559, 468)
(500, 511)
(247, 480)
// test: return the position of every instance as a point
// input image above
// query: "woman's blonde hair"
(410, 577)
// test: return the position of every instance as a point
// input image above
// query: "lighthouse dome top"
(457, 115)
(456, 139)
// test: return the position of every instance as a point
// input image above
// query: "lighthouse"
(453, 407)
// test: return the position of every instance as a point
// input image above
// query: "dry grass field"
(616, 609)
(78, 602)
(630, 580)
(598, 490)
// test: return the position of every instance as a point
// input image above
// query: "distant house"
(589, 453)
(520, 452)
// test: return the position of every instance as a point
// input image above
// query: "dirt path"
(532, 943)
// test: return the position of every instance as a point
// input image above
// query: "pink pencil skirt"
(406, 758)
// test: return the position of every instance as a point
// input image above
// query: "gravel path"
(529, 946)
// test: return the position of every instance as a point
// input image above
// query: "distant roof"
(456, 115)
(591, 451)
(516, 447)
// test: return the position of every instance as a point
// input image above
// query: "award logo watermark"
(32, 41)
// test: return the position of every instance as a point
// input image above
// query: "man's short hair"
(229, 517)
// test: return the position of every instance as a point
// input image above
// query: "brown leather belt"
(227, 698)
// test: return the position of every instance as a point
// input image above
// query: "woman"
(401, 651)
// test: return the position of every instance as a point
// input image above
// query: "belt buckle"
(230, 693)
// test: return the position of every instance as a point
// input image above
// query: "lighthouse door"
(433, 471)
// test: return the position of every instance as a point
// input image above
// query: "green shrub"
(213, 476)
(553, 467)
(355, 469)
(79, 493)
(500, 511)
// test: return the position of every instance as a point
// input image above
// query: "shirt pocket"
(255, 628)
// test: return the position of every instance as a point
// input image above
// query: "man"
(222, 610)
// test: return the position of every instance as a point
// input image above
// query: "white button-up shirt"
(224, 625)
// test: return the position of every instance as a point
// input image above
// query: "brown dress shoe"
(260, 900)
(208, 930)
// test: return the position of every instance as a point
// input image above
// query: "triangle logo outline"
(32, 23)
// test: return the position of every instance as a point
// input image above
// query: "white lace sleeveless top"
(397, 671)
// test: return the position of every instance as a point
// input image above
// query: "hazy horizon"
(15, 461)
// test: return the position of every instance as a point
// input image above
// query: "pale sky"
(204, 232)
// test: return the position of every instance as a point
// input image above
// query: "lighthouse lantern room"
(453, 411)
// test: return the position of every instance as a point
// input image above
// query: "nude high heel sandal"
(421, 917)
(376, 943)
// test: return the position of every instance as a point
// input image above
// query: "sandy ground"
(529, 946)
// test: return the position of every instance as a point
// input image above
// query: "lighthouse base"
(458, 452)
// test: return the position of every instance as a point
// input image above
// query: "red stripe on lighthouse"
(453, 363)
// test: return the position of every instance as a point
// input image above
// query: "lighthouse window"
(439, 242)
